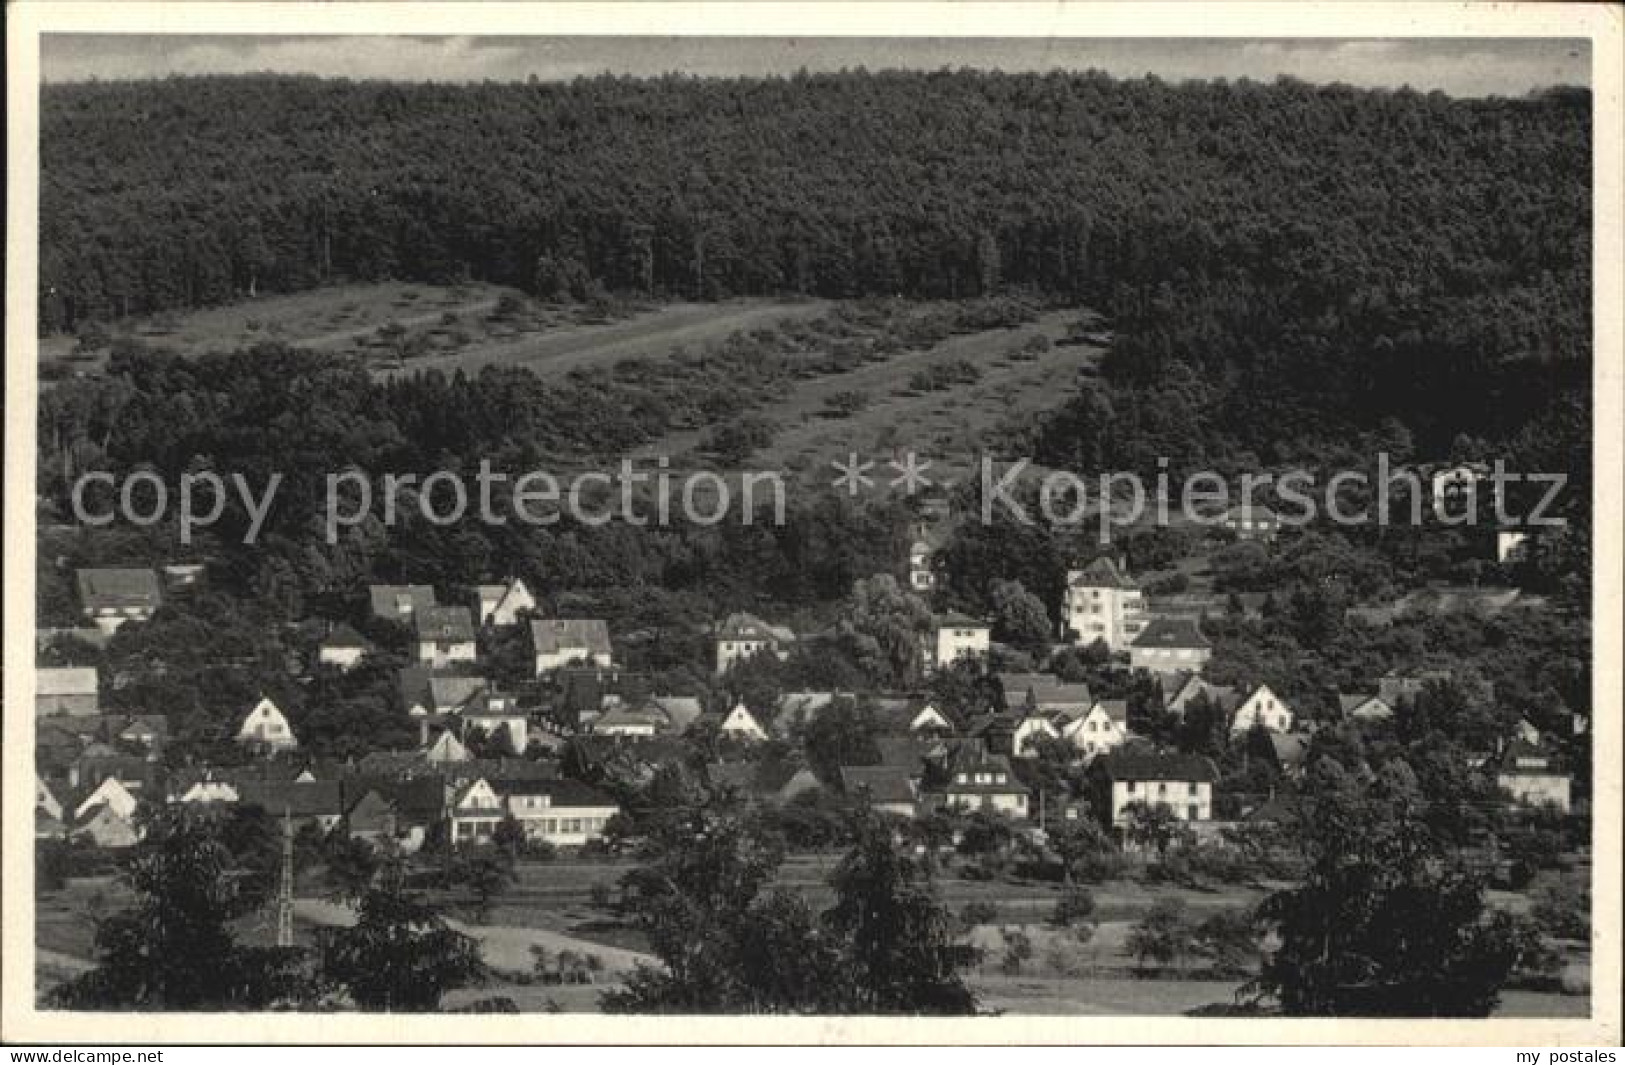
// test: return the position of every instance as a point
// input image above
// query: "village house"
(475, 813)
(1103, 728)
(1452, 484)
(741, 636)
(112, 793)
(623, 720)
(72, 692)
(111, 597)
(565, 813)
(426, 694)
(1250, 521)
(1359, 707)
(1509, 544)
(1043, 693)
(445, 637)
(740, 724)
(265, 727)
(959, 637)
(1170, 645)
(502, 605)
(924, 540)
(1262, 707)
(397, 812)
(561, 642)
(442, 747)
(105, 827)
(1530, 774)
(318, 803)
(887, 789)
(1181, 783)
(1394, 688)
(1188, 687)
(930, 721)
(342, 648)
(1030, 729)
(980, 781)
(496, 714)
(401, 603)
(45, 799)
(1102, 602)
(680, 711)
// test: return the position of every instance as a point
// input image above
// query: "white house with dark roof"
(560, 642)
(740, 724)
(1170, 645)
(742, 636)
(1102, 729)
(1250, 521)
(979, 781)
(1528, 772)
(957, 637)
(265, 726)
(400, 602)
(1356, 706)
(1262, 707)
(1179, 783)
(111, 597)
(492, 713)
(445, 636)
(343, 647)
(1102, 602)
(502, 604)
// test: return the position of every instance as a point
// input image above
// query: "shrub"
(1075, 908)
(977, 913)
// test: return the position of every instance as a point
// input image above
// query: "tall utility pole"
(284, 900)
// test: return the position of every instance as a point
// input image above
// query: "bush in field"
(847, 402)
(733, 442)
(1075, 909)
(976, 913)
(1563, 908)
(1018, 950)
(1164, 935)
(1228, 940)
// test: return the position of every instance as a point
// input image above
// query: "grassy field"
(551, 906)
(949, 426)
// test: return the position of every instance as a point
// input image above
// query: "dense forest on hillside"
(1286, 265)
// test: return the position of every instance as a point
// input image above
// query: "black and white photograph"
(706, 521)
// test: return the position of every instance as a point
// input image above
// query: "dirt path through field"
(504, 947)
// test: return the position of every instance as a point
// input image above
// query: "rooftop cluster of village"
(506, 712)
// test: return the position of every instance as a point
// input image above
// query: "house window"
(1132, 786)
(1193, 789)
(1162, 789)
(1193, 813)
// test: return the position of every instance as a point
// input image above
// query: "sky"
(1481, 66)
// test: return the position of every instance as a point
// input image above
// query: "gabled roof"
(1290, 750)
(446, 624)
(743, 626)
(1132, 764)
(315, 798)
(680, 710)
(560, 792)
(386, 596)
(1537, 759)
(623, 717)
(451, 694)
(118, 588)
(906, 752)
(1046, 690)
(345, 637)
(556, 635)
(884, 785)
(1116, 709)
(492, 704)
(65, 681)
(955, 620)
(1171, 633)
(1103, 572)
